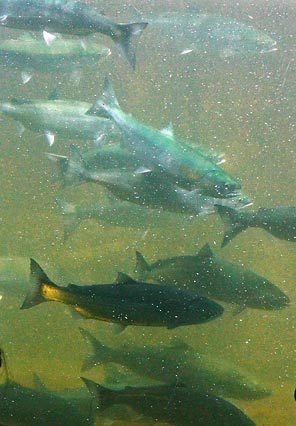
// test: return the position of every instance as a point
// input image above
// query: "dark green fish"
(127, 303)
(278, 221)
(212, 276)
(69, 17)
(162, 151)
(24, 406)
(178, 364)
(177, 405)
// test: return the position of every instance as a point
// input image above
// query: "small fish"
(56, 117)
(278, 221)
(161, 151)
(63, 56)
(177, 405)
(127, 302)
(178, 363)
(24, 406)
(69, 17)
(212, 276)
(115, 213)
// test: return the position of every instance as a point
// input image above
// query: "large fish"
(178, 364)
(278, 221)
(177, 405)
(145, 187)
(204, 32)
(24, 406)
(212, 276)
(161, 151)
(69, 17)
(127, 302)
(65, 118)
(29, 54)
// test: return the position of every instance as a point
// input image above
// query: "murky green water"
(243, 107)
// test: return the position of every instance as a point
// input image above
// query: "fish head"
(271, 298)
(238, 39)
(218, 184)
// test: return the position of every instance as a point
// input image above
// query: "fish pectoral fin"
(142, 170)
(118, 328)
(38, 383)
(168, 130)
(50, 137)
(48, 37)
(26, 76)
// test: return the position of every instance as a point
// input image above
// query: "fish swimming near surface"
(29, 54)
(24, 406)
(177, 405)
(56, 117)
(178, 364)
(127, 302)
(212, 276)
(199, 32)
(69, 17)
(162, 151)
(278, 221)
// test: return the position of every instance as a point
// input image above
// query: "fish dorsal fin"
(107, 100)
(206, 252)
(39, 383)
(123, 278)
(177, 343)
(168, 130)
(141, 265)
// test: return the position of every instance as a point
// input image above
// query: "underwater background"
(244, 107)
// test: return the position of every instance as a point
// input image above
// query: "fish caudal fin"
(100, 353)
(38, 279)
(142, 267)
(70, 217)
(126, 38)
(106, 102)
(234, 226)
(102, 395)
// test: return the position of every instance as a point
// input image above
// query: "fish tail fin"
(99, 354)
(74, 172)
(70, 216)
(142, 267)
(102, 395)
(232, 222)
(126, 38)
(38, 278)
(106, 102)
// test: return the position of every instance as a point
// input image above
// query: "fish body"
(212, 276)
(24, 406)
(219, 35)
(175, 405)
(178, 364)
(69, 17)
(115, 213)
(128, 302)
(64, 118)
(28, 53)
(161, 151)
(143, 187)
(278, 221)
